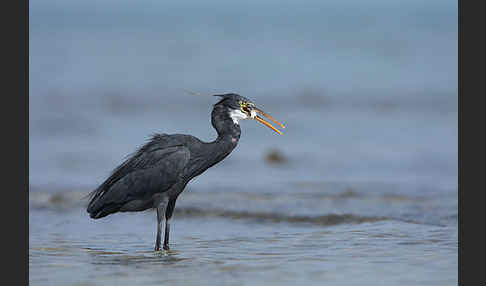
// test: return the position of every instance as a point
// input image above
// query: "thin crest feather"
(193, 93)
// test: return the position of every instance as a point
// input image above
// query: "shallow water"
(315, 235)
(363, 190)
(223, 251)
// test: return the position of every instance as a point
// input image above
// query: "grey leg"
(160, 217)
(168, 217)
(166, 237)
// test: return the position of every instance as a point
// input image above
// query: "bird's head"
(240, 108)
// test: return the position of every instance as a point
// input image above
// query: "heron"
(156, 174)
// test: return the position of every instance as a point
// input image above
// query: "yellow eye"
(245, 109)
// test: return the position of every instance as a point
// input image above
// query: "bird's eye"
(245, 109)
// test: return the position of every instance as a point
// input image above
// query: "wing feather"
(155, 167)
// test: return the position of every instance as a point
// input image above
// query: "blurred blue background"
(367, 90)
(109, 73)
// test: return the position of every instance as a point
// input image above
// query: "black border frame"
(15, 131)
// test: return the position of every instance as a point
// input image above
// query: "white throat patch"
(237, 115)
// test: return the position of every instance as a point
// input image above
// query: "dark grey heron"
(155, 175)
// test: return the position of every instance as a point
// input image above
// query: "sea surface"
(360, 189)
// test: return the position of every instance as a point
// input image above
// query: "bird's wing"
(153, 168)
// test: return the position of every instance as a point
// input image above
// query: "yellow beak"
(263, 121)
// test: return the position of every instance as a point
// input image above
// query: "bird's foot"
(165, 247)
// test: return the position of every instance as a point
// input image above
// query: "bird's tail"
(103, 211)
(97, 207)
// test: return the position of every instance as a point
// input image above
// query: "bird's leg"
(160, 216)
(168, 215)
(166, 237)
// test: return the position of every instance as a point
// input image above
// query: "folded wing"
(155, 168)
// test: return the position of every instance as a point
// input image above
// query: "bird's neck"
(231, 133)
(228, 132)
(224, 125)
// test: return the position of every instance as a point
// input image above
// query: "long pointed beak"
(263, 121)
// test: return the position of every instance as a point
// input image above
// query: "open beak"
(263, 121)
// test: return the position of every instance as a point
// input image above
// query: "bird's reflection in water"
(136, 258)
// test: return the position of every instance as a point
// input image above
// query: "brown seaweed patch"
(329, 219)
(275, 157)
